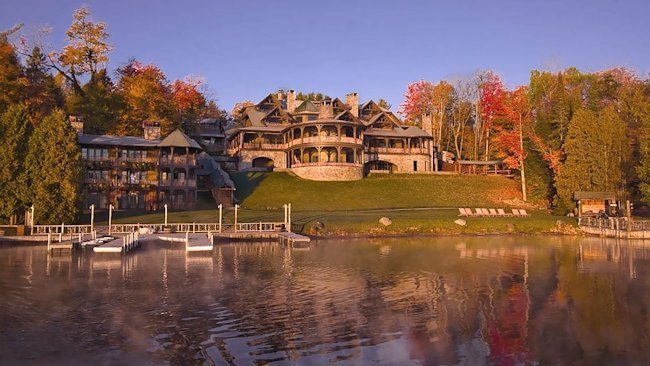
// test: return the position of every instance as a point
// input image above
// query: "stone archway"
(263, 162)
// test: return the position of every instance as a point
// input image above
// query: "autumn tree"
(42, 91)
(12, 78)
(188, 101)
(511, 130)
(491, 101)
(147, 96)
(383, 103)
(86, 51)
(53, 162)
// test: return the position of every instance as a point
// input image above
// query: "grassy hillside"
(257, 190)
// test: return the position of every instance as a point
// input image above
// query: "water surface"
(479, 300)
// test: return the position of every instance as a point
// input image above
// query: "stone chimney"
(77, 122)
(291, 100)
(151, 130)
(280, 95)
(326, 110)
(427, 123)
(352, 100)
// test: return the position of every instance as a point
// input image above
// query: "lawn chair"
(479, 212)
(501, 212)
(485, 212)
(515, 212)
(493, 212)
(523, 213)
(462, 212)
(469, 212)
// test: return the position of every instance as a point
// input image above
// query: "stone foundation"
(403, 162)
(329, 172)
(246, 158)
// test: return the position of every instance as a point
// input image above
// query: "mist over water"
(458, 300)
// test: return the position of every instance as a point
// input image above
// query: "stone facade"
(404, 163)
(329, 172)
(246, 158)
(327, 140)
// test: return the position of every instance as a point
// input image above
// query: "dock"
(119, 245)
(292, 238)
(194, 242)
(61, 245)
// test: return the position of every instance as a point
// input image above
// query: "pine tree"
(15, 131)
(55, 171)
(594, 151)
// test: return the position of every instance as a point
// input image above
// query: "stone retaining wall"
(404, 162)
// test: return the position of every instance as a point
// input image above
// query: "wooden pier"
(120, 245)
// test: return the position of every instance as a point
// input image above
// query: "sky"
(247, 49)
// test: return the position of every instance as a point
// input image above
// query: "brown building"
(327, 140)
(143, 173)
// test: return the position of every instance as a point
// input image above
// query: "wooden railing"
(264, 146)
(60, 229)
(260, 226)
(397, 150)
(329, 163)
(614, 223)
(195, 227)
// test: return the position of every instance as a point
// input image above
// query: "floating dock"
(120, 245)
(292, 238)
(195, 242)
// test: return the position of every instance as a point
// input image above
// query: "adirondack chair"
(462, 212)
(479, 212)
(515, 212)
(485, 212)
(493, 212)
(523, 213)
(469, 212)
(501, 212)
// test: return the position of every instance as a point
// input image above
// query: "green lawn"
(272, 190)
(354, 208)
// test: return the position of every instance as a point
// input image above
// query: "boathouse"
(596, 203)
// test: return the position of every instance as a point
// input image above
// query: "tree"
(43, 94)
(54, 167)
(188, 101)
(15, 130)
(100, 105)
(12, 79)
(147, 95)
(383, 103)
(491, 100)
(238, 109)
(594, 149)
(510, 132)
(86, 50)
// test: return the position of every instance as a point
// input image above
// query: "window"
(415, 165)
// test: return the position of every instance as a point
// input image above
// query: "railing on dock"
(620, 223)
(60, 229)
(195, 227)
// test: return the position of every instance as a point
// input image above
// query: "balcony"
(178, 160)
(178, 183)
(148, 159)
(263, 146)
(329, 163)
(397, 150)
(325, 139)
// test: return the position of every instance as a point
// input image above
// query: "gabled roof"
(306, 106)
(179, 139)
(352, 117)
(255, 116)
(588, 195)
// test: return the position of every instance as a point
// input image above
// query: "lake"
(500, 300)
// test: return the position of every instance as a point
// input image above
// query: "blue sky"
(246, 49)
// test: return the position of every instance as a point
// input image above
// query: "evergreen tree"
(15, 131)
(99, 105)
(55, 171)
(43, 94)
(594, 151)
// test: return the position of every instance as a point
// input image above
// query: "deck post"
(220, 215)
(33, 220)
(285, 214)
(236, 207)
(165, 214)
(92, 217)
(61, 233)
(49, 241)
(289, 219)
(187, 239)
(110, 218)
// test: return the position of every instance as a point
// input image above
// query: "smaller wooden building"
(596, 203)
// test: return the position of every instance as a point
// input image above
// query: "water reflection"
(497, 300)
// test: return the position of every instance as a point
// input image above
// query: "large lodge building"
(329, 139)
